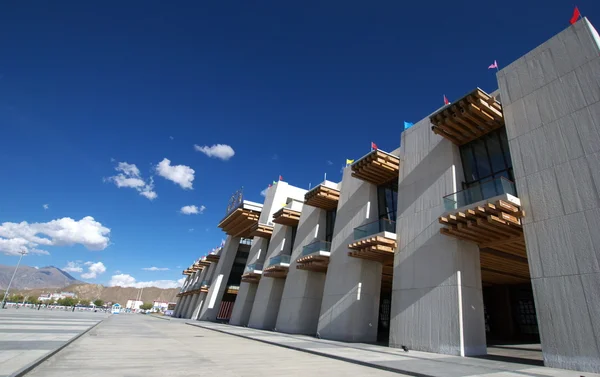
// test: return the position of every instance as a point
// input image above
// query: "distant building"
(133, 304)
(160, 306)
(56, 296)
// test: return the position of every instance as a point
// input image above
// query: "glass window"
(483, 160)
(329, 224)
(387, 201)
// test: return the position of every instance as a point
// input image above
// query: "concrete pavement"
(411, 363)
(28, 335)
(139, 345)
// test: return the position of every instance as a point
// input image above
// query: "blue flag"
(408, 125)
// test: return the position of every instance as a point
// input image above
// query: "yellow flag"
(348, 162)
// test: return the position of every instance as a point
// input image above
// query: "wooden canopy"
(187, 271)
(316, 262)
(496, 228)
(204, 288)
(261, 230)
(251, 277)
(286, 216)
(377, 167)
(213, 258)
(203, 262)
(279, 271)
(377, 248)
(322, 197)
(469, 118)
(239, 222)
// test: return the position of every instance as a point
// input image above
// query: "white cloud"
(46, 206)
(171, 137)
(155, 268)
(94, 269)
(329, 162)
(18, 237)
(180, 174)
(275, 157)
(130, 176)
(73, 267)
(221, 151)
(191, 230)
(125, 280)
(264, 192)
(117, 271)
(192, 210)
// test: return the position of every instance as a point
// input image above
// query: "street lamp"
(12, 278)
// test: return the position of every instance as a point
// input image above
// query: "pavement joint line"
(160, 317)
(28, 368)
(336, 357)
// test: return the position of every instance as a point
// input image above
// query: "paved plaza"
(26, 335)
(143, 345)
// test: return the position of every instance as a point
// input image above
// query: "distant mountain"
(112, 294)
(32, 278)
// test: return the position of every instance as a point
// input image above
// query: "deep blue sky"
(288, 87)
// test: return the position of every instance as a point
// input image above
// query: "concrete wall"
(269, 291)
(212, 303)
(209, 276)
(551, 99)
(243, 304)
(437, 302)
(303, 291)
(350, 306)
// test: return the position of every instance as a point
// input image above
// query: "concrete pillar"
(551, 100)
(192, 306)
(437, 301)
(212, 304)
(180, 300)
(269, 291)
(303, 291)
(186, 303)
(350, 306)
(210, 272)
(178, 306)
(245, 297)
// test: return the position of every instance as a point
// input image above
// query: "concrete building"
(477, 230)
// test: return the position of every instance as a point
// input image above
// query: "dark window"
(387, 200)
(329, 224)
(293, 240)
(484, 160)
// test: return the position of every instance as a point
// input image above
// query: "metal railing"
(253, 267)
(316, 247)
(381, 225)
(482, 191)
(279, 260)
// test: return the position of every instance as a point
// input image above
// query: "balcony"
(204, 286)
(324, 196)
(290, 214)
(278, 267)
(490, 216)
(375, 241)
(203, 262)
(241, 219)
(469, 118)
(261, 230)
(232, 289)
(377, 167)
(187, 271)
(314, 257)
(252, 273)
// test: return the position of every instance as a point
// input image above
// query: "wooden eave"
(468, 119)
(377, 167)
(376, 248)
(261, 230)
(286, 216)
(496, 228)
(322, 197)
(313, 262)
(239, 222)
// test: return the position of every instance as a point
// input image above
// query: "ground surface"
(28, 334)
(138, 345)
(142, 345)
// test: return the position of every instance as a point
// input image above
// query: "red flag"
(576, 15)
(373, 146)
(280, 178)
(446, 102)
(270, 185)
